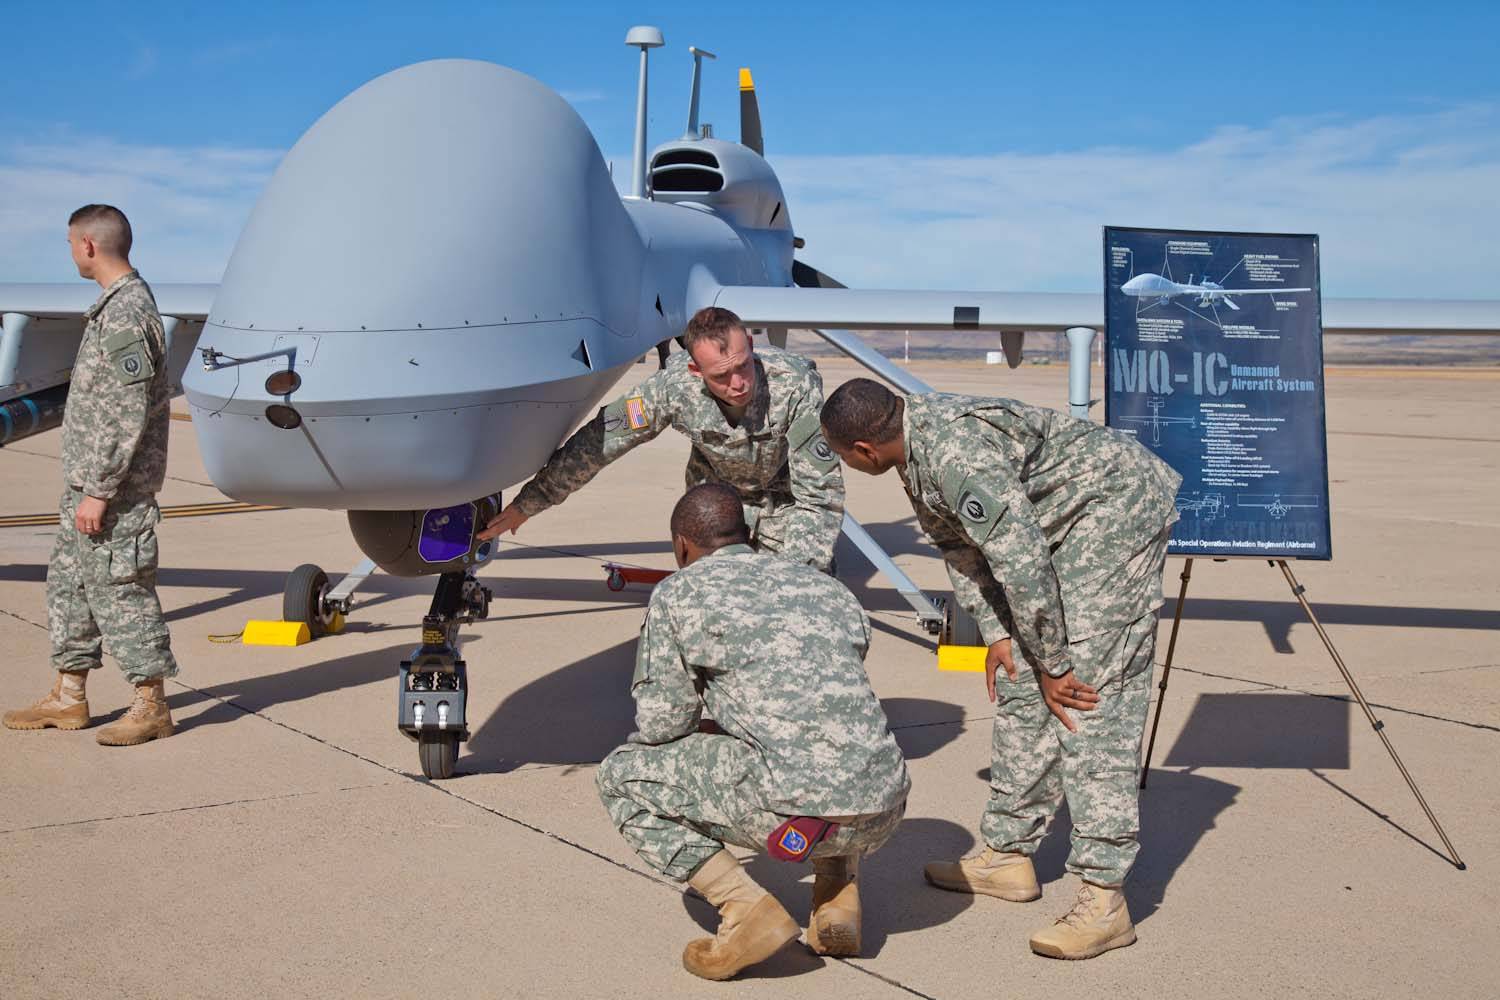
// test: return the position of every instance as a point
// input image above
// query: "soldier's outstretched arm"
(667, 706)
(120, 403)
(633, 419)
(999, 519)
(817, 482)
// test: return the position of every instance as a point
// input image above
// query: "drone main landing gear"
(308, 598)
(434, 683)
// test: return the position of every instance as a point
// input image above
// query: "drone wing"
(43, 324)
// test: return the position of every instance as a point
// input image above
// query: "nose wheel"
(434, 682)
(438, 753)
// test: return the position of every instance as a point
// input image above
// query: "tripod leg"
(1166, 669)
(1298, 591)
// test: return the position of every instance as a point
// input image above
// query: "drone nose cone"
(443, 194)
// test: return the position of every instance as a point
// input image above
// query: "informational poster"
(1214, 361)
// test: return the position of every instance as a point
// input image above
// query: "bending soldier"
(101, 580)
(753, 418)
(1054, 531)
(804, 765)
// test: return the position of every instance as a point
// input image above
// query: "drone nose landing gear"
(434, 683)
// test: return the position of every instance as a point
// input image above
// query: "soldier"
(753, 418)
(1055, 533)
(801, 763)
(101, 581)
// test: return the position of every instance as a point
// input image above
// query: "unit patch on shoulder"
(821, 450)
(635, 413)
(972, 508)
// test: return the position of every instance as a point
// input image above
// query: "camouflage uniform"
(1055, 532)
(775, 458)
(774, 651)
(101, 589)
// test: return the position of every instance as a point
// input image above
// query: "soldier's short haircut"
(711, 323)
(107, 226)
(710, 516)
(861, 410)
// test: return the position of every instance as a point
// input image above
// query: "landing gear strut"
(435, 681)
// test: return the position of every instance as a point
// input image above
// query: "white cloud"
(187, 205)
(1405, 204)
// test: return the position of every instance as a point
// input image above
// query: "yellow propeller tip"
(745, 82)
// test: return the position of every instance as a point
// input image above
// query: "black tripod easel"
(1299, 592)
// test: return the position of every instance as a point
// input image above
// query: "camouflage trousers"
(101, 592)
(679, 803)
(1036, 762)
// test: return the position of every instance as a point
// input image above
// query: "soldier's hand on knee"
(999, 655)
(90, 516)
(1065, 692)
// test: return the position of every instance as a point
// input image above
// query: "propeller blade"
(1230, 303)
(750, 115)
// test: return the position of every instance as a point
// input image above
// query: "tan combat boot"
(994, 873)
(752, 925)
(65, 708)
(1098, 921)
(833, 928)
(146, 719)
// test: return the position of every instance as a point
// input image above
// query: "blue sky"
(973, 145)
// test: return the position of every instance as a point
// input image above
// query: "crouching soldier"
(804, 766)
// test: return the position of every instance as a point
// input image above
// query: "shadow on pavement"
(573, 715)
(1263, 731)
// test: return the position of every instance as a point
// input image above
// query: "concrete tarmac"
(283, 843)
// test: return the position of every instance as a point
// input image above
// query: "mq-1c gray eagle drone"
(438, 284)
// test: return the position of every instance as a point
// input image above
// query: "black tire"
(439, 752)
(302, 600)
(959, 627)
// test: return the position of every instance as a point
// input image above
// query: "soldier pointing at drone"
(752, 415)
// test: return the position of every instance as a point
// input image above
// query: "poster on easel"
(1213, 348)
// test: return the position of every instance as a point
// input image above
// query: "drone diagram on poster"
(1153, 290)
(1156, 421)
(1276, 504)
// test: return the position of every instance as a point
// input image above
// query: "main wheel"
(439, 752)
(959, 627)
(302, 600)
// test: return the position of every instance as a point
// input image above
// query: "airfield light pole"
(645, 38)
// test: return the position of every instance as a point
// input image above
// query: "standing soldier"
(1055, 533)
(753, 418)
(804, 765)
(101, 581)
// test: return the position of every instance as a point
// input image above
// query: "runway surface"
(285, 844)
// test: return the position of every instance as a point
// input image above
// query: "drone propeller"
(1229, 302)
(750, 114)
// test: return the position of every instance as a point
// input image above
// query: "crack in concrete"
(192, 808)
(23, 618)
(1348, 698)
